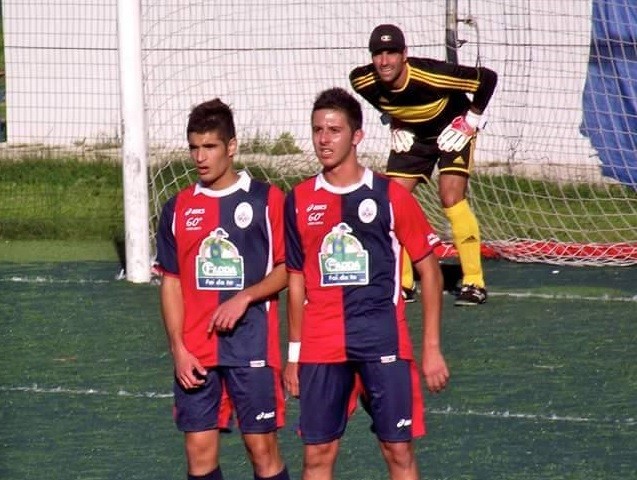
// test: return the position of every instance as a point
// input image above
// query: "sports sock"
(282, 475)
(407, 272)
(214, 475)
(466, 238)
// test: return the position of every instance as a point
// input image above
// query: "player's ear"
(357, 137)
(232, 147)
(405, 54)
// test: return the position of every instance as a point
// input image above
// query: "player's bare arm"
(227, 314)
(188, 370)
(434, 366)
(296, 298)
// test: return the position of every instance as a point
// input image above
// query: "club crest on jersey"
(367, 210)
(342, 258)
(243, 215)
(219, 264)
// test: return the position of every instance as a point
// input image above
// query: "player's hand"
(291, 378)
(457, 134)
(188, 371)
(401, 140)
(226, 315)
(435, 370)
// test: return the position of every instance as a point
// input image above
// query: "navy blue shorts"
(390, 393)
(254, 393)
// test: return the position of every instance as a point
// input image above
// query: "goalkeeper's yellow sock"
(466, 238)
(407, 272)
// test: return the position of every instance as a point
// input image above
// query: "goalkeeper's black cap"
(386, 37)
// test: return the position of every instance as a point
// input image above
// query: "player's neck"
(228, 179)
(401, 80)
(344, 174)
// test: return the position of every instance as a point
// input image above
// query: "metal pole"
(451, 30)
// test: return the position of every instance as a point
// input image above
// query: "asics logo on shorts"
(404, 422)
(264, 416)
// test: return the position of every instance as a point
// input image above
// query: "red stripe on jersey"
(194, 214)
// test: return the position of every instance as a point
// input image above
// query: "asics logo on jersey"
(264, 416)
(315, 213)
(404, 422)
(195, 211)
(312, 207)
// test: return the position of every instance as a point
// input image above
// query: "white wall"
(269, 59)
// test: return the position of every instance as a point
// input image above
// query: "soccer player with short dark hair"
(220, 247)
(433, 123)
(344, 229)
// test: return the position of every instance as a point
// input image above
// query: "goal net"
(556, 167)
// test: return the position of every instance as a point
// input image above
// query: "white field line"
(449, 411)
(80, 392)
(546, 296)
(600, 298)
(49, 280)
(553, 417)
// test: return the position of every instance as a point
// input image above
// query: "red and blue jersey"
(347, 244)
(217, 243)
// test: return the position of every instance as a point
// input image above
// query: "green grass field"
(544, 381)
(75, 199)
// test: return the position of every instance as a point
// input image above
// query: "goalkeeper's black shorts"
(419, 162)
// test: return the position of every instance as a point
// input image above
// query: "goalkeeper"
(434, 109)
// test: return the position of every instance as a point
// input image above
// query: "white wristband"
(294, 352)
(473, 119)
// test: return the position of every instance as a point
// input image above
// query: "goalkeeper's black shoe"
(409, 294)
(471, 295)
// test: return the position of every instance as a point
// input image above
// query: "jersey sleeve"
(294, 258)
(363, 81)
(478, 81)
(166, 243)
(412, 228)
(275, 213)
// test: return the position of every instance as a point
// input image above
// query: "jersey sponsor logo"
(342, 258)
(367, 210)
(264, 416)
(243, 215)
(403, 423)
(219, 264)
(315, 213)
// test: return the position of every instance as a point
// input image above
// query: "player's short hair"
(339, 99)
(212, 116)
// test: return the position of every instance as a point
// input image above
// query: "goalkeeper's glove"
(458, 133)
(401, 140)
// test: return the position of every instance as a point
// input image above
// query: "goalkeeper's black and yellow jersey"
(434, 94)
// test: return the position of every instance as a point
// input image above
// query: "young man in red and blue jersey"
(220, 247)
(345, 230)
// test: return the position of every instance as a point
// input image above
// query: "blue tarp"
(610, 93)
